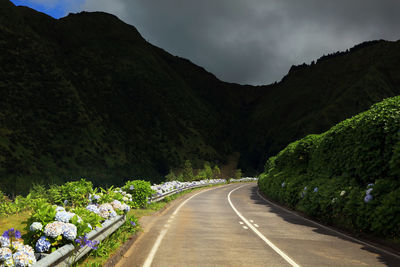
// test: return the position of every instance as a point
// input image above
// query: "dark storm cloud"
(256, 41)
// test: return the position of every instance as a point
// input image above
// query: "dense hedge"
(347, 176)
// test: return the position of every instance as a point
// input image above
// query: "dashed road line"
(260, 235)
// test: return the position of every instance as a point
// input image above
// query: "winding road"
(233, 225)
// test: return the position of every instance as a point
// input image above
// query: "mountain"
(87, 96)
(313, 98)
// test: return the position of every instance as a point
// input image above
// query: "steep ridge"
(87, 96)
(312, 98)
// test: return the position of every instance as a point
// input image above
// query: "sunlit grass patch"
(14, 221)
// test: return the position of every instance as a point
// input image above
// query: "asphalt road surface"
(233, 225)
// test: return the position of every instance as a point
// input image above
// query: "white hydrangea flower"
(64, 216)
(125, 207)
(5, 254)
(54, 229)
(342, 193)
(116, 204)
(4, 241)
(104, 213)
(36, 226)
(106, 206)
(17, 245)
(22, 259)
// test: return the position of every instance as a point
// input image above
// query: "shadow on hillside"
(383, 257)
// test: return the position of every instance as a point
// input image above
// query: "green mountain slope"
(312, 98)
(87, 96)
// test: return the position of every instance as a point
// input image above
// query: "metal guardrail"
(161, 197)
(68, 254)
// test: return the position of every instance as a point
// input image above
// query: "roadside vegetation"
(52, 216)
(347, 176)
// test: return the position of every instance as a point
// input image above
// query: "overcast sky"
(247, 41)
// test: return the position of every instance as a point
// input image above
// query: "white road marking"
(245, 227)
(256, 225)
(260, 235)
(241, 222)
(330, 229)
(163, 232)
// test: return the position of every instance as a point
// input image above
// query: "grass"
(14, 221)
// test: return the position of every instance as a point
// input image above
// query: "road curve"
(233, 225)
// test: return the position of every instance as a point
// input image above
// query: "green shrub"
(73, 194)
(326, 175)
(141, 192)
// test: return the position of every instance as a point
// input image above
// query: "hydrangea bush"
(353, 168)
(13, 252)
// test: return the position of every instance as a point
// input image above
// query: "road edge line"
(330, 229)
(150, 257)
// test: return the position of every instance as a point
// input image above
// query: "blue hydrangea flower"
(113, 214)
(370, 185)
(368, 198)
(315, 189)
(283, 184)
(131, 187)
(368, 192)
(42, 245)
(36, 226)
(69, 231)
(93, 208)
(54, 229)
